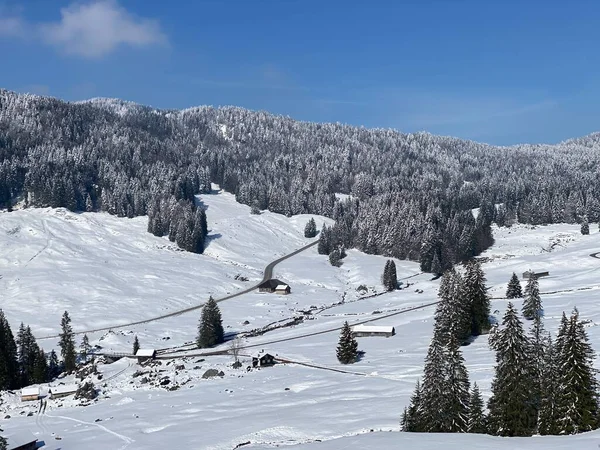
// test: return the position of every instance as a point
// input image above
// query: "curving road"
(268, 274)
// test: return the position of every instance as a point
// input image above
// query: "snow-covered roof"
(27, 391)
(63, 388)
(149, 352)
(281, 287)
(373, 328)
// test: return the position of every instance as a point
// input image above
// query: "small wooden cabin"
(373, 330)
(530, 273)
(29, 394)
(263, 360)
(22, 441)
(283, 289)
(62, 390)
(274, 285)
(145, 354)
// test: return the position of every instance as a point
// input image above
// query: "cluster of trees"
(310, 230)
(410, 196)
(538, 387)
(210, 328)
(329, 245)
(23, 362)
(389, 278)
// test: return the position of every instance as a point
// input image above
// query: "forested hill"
(412, 193)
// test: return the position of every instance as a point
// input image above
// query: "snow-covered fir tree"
(514, 289)
(512, 408)
(453, 313)
(310, 230)
(389, 278)
(532, 304)
(475, 295)
(412, 420)
(210, 328)
(476, 421)
(548, 416)
(347, 349)
(67, 343)
(585, 226)
(136, 345)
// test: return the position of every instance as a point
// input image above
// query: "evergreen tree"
(136, 345)
(477, 422)
(85, 347)
(548, 416)
(512, 405)
(532, 305)
(347, 349)
(210, 329)
(475, 295)
(53, 365)
(3, 443)
(9, 365)
(40, 372)
(411, 419)
(324, 245)
(577, 399)
(585, 226)
(434, 388)
(67, 343)
(335, 258)
(514, 287)
(456, 400)
(390, 278)
(452, 315)
(385, 278)
(310, 230)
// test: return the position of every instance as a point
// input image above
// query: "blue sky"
(502, 72)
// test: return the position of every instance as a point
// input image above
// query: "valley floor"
(107, 271)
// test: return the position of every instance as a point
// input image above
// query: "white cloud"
(89, 30)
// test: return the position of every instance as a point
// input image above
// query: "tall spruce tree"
(310, 230)
(435, 387)
(475, 295)
(548, 416)
(53, 365)
(28, 352)
(390, 278)
(514, 289)
(453, 315)
(85, 347)
(477, 422)
(347, 349)
(67, 343)
(532, 305)
(9, 365)
(512, 409)
(210, 329)
(456, 400)
(136, 344)
(40, 371)
(577, 399)
(411, 418)
(325, 245)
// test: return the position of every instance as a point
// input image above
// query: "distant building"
(22, 441)
(145, 354)
(263, 360)
(62, 390)
(274, 285)
(529, 273)
(373, 330)
(29, 394)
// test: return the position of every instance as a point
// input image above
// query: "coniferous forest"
(412, 194)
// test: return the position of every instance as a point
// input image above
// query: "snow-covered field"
(108, 271)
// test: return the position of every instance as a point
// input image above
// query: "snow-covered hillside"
(108, 271)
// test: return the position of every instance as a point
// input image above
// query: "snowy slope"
(103, 274)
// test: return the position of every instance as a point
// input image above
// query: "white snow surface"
(107, 271)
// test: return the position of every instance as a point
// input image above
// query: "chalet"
(62, 390)
(263, 360)
(529, 273)
(22, 441)
(30, 394)
(145, 354)
(373, 330)
(273, 285)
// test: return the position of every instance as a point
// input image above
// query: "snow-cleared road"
(268, 274)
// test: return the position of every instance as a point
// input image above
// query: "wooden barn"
(274, 285)
(62, 390)
(263, 360)
(22, 441)
(29, 394)
(530, 273)
(145, 354)
(373, 330)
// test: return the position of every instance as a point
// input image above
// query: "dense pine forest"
(412, 194)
